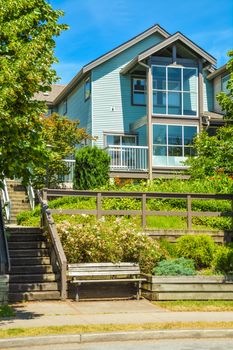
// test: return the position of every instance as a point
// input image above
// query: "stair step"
(29, 253)
(34, 237)
(32, 296)
(30, 261)
(34, 278)
(25, 287)
(26, 245)
(23, 229)
(33, 269)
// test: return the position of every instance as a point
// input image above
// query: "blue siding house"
(145, 101)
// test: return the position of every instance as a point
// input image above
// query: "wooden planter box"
(188, 287)
(4, 289)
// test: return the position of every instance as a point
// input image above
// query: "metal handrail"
(59, 258)
(6, 203)
(4, 251)
(31, 196)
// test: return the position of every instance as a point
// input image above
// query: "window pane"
(174, 135)
(159, 150)
(190, 79)
(159, 102)
(189, 133)
(113, 140)
(224, 83)
(175, 151)
(139, 98)
(174, 79)
(190, 103)
(159, 134)
(128, 140)
(159, 78)
(87, 89)
(189, 152)
(139, 84)
(174, 103)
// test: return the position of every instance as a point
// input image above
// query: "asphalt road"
(175, 344)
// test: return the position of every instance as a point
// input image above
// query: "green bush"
(175, 267)
(200, 248)
(223, 260)
(91, 168)
(102, 241)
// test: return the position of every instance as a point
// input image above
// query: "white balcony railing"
(70, 163)
(127, 158)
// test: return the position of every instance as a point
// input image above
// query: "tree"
(61, 137)
(226, 100)
(27, 31)
(215, 153)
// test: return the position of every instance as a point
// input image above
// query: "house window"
(87, 89)
(172, 144)
(64, 107)
(120, 140)
(224, 83)
(139, 91)
(174, 90)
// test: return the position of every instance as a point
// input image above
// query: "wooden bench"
(104, 273)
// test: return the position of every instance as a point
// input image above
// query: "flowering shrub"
(108, 241)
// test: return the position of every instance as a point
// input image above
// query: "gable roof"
(170, 40)
(219, 71)
(51, 95)
(84, 71)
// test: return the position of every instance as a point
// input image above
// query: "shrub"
(175, 267)
(100, 241)
(200, 248)
(223, 260)
(91, 169)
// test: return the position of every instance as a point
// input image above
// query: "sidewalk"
(59, 313)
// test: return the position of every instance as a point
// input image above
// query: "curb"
(115, 336)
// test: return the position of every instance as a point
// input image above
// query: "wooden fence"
(143, 196)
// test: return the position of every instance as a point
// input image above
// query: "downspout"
(149, 118)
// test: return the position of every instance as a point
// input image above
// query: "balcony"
(128, 158)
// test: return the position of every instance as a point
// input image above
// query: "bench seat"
(104, 273)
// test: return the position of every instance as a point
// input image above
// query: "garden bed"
(4, 289)
(188, 287)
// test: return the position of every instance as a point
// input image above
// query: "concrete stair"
(32, 276)
(18, 197)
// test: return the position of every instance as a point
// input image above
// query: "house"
(145, 101)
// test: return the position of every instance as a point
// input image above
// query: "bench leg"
(139, 290)
(77, 295)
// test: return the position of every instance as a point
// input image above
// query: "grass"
(6, 311)
(52, 330)
(196, 305)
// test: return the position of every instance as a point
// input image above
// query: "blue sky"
(97, 26)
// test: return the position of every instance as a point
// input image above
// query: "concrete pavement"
(59, 313)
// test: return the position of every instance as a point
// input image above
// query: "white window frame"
(228, 76)
(167, 144)
(182, 91)
(64, 107)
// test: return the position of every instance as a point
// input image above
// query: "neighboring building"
(145, 101)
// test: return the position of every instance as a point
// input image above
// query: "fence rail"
(143, 196)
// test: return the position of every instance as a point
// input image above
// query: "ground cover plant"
(196, 305)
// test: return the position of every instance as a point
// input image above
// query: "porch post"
(200, 93)
(149, 120)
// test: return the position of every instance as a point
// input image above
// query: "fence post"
(143, 210)
(189, 212)
(99, 205)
